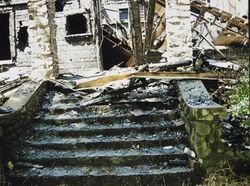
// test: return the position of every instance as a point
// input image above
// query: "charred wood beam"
(116, 44)
(220, 14)
(210, 43)
(243, 29)
(13, 84)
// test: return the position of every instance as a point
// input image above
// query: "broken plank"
(102, 80)
(154, 75)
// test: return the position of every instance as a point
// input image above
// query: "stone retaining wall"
(24, 104)
(203, 117)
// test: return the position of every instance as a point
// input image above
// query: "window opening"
(5, 53)
(76, 24)
(123, 14)
(60, 5)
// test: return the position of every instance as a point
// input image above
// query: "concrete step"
(136, 138)
(126, 127)
(132, 115)
(111, 108)
(153, 175)
(129, 157)
(55, 97)
(156, 90)
(133, 140)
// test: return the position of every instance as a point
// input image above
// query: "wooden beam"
(100, 81)
(210, 43)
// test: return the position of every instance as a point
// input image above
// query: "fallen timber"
(153, 75)
(12, 84)
(233, 30)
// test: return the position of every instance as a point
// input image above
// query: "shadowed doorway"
(4, 37)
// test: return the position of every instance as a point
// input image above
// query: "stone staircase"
(135, 138)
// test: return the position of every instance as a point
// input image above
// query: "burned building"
(63, 34)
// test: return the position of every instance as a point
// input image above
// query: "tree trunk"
(136, 33)
(149, 25)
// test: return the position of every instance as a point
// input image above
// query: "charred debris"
(212, 28)
(136, 68)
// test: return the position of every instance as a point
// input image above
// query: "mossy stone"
(211, 138)
(201, 147)
(202, 129)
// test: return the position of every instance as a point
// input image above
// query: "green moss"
(202, 129)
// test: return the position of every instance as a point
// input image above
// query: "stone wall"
(203, 123)
(19, 21)
(48, 44)
(178, 29)
(78, 53)
(24, 103)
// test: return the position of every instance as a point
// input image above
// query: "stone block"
(202, 129)
(202, 148)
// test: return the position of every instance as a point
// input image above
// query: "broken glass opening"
(23, 38)
(76, 24)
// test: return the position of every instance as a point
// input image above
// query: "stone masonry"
(178, 29)
(203, 122)
(53, 33)
(40, 37)
(78, 52)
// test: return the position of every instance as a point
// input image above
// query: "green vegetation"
(226, 177)
(10, 165)
(239, 101)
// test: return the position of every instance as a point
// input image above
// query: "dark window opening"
(23, 36)
(5, 53)
(123, 14)
(60, 5)
(76, 24)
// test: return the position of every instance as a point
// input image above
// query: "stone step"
(129, 157)
(84, 129)
(134, 140)
(111, 108)
(133, 116)
(154, 100)
(161, 91)
(54, 97)
(153, 175)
